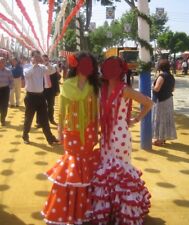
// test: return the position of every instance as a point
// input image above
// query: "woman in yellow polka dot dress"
(69, 201)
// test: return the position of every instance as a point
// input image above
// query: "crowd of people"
(90, 185)
(41, 82)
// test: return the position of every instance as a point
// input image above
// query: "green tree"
(175, 42)
(158, 26)
(117, 28)
(70, 40)
(117, 33)
(130, 19)
(98, 40)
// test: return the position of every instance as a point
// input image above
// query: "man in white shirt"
(34, 99)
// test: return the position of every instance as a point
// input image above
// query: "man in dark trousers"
(54, 89)
(51, 89)
(34, 99)
(6, 83)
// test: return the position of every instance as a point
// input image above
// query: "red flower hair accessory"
(72, 61)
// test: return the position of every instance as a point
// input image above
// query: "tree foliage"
(158, 26)
(98, 39)
(175, 42)
(70, 40)
(120, 35)
(130, 19)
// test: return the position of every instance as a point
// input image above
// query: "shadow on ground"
(8, 218)
(182, 122)
(153, 221)
(57, 149)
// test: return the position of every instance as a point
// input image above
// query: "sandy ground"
(24, 189)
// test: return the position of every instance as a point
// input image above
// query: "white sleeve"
(27, 72)
(51, 69)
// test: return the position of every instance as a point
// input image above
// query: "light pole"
(145, 76)
(86, 40)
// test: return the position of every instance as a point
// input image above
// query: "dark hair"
(93, 78)
(164, 65)
(35, 52)
(46, 56)
(18, 62)
(16, 59)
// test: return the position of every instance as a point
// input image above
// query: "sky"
(177, 12)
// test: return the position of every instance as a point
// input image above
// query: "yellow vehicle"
(128, 54)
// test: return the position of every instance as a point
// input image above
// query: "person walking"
(35, 100)
(163, 125)
(6, 83)
(17, 72)
(119, 194)
(69, 201)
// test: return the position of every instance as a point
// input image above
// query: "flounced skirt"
(120, 196)
(69, 201)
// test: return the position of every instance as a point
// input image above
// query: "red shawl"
(108, 111)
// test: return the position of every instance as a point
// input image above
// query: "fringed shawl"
(109, 107)
(78, 107)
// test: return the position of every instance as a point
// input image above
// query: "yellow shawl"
(77, 107)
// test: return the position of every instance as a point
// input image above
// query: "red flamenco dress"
(69, 201)
(120, 197)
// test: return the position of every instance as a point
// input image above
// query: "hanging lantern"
(109, 34)
(127, 27)
(110, 12)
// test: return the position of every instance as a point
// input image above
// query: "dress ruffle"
(67, 205)
(119, 191)
(69, 201)
(74, 170)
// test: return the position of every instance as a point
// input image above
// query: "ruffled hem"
(120, 193)
(78, 222)
(68, 183)
(73, 170)
(68, 205)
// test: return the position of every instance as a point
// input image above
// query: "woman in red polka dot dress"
(69, 201)
(120, 196)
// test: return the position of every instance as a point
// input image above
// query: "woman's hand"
(147, 103)
(133, 121)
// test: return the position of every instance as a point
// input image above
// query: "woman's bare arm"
(147, 103)
(159, 83)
